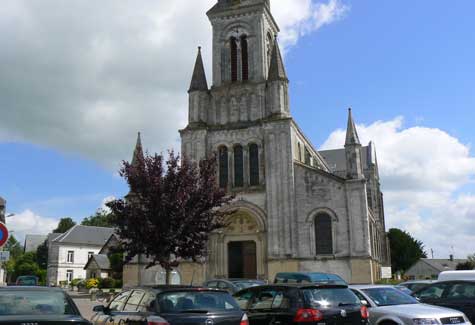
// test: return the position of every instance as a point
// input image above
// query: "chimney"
(451, 258)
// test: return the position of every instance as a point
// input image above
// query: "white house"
(69, 253)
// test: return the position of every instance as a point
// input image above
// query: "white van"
(456, 275)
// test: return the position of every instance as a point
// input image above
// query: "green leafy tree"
(468, 265)
(405, 250)
(42, 255)
(171, 210)
(102, 218)
(14, 247)
(64, 225)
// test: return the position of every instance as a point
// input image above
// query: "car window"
(359, 295)
(243, 298)
(146, 302)
(330, 297)
(434, 291)
(30, 303)
(273, 298)
(118, 303)
(223, 285)
(389, 297)
(212, 284)
(134, 300)
(184, 301)
(461, 291)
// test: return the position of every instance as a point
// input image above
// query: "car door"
(113, 309)
(461, 296)
(130, 314)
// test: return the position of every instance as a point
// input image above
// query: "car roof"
(370, 286)
(302, 286)
(174, 288)
(418, 281)
(30, 288)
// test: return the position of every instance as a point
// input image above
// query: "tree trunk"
(168, 276)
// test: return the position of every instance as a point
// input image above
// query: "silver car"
(389, 306)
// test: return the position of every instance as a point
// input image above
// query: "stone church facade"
(298, 209)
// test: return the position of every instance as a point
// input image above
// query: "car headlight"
(424, 321)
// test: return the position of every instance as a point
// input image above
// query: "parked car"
(168, 305)
(233, 285)
(389, 306)
(308, 277)
(468, 275)
(404, 289)
(415, 285)
(458, 295)
(301, 303)
(27, 280)
(39, 306)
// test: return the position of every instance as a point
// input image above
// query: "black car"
(459, 295)
(168, 305)
(39, 306)
(233, 285)
(297, 303)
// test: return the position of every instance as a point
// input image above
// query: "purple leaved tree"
(171, 209)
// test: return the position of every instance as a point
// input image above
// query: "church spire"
(351, 133)
(276, 68)
(198, 80)
(138, 151)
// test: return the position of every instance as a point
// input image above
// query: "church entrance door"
(242, 260)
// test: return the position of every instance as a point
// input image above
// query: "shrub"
(106, 283)
(118, 284)
(75, 282)
(92, 283)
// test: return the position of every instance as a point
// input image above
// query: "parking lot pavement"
(85, 306)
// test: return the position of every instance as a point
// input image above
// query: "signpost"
(3, 234)
(386, 272)
(4, 256)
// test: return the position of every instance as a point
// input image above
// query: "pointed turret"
(354, 161)
(198, 80)
(276, 68)
(138, 151)
(351, 133)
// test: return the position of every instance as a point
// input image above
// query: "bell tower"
(243, 36)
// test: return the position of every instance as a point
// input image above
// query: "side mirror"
(365, 303)
(99, 309)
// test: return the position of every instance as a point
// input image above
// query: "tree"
(102, 218)
(42, 255)
(64, 225)
(171, 210)
(468, 265)
(14, 247)
(405, 250)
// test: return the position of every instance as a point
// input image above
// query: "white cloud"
(106, 200)
(29, 223)
(85, 77)
(423, 172)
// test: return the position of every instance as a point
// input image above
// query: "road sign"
(4, 256)
(386, 272)
(3, 234)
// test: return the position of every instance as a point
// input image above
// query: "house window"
(253, 164)
(234, 63)
(307, 157)
(223, 167)
(238, 166)
(323, 234)
(244, 58)
(70, 257)
(89, 255)
(69, 275)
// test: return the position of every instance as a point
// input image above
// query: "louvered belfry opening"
(323, 234)
(253, 164)
(223, 167)
(234, 59)
(245, 58)
(238, 166)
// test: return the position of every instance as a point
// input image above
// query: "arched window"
(238, 166)
(253, 164)
(299, 158)
(223, 167)
(234, 63)
(323, 234)
(244, 58)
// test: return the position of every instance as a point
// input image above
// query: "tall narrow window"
(234, 63)
(253, 164)
(70, 257)
(223, 167)
(244, 58)
(323, 234)
(238, 166)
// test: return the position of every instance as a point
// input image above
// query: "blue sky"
(407, 64)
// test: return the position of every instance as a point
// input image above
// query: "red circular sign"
(3, 234)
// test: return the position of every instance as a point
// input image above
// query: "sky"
(79, 80)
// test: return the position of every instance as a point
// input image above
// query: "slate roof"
(32, 242)
(85, 235)
(276, 68)
(138, 151)
(443, 264)
(101, 260)
(336, 159)
(198, 80)
(351, 134)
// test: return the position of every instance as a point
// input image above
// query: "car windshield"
(34, 303)
(26, 281)
(196, 301)
(389, 297)
(330, 297)
(247, 284)
(322, 277)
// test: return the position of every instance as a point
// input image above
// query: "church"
(297, 208)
